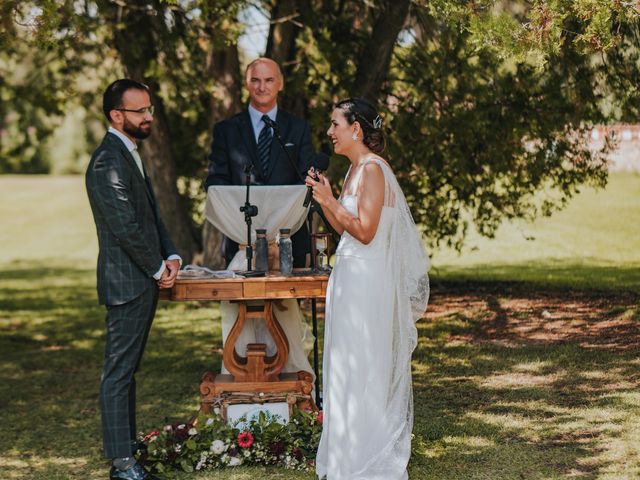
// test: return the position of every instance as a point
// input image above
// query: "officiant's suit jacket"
(133, 241)
(234, 146)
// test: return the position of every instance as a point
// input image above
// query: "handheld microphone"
(320, 163)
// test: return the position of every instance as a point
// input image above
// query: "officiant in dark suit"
(136, 258)
(247, 139)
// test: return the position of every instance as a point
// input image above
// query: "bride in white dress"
(377, 290)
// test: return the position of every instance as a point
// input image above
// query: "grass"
(518, 374)
(594, 244)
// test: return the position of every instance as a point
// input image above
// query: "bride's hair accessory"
(362, 111)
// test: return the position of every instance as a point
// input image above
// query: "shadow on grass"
(52, 344)
(550, 274)
(482, 409)
(519, 411)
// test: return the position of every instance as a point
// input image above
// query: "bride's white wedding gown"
(369, 336)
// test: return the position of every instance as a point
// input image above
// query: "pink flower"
(245, 440)
(320, 417)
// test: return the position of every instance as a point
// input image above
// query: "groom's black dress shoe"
(134, 473)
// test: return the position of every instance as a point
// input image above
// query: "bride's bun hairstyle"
(362, 111)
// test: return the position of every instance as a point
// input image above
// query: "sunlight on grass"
(520, 380)
(593, 243)
(528, 388)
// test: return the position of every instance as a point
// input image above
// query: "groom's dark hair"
(112, 97)
(362, 111)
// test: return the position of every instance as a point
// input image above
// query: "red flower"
(245, 440)
(320, 417)
(149, 436)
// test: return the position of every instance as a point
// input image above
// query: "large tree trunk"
(287, 18)
(374, 62)
(224, 66)
(137, 49)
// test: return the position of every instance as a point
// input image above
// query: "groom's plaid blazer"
(133, 240)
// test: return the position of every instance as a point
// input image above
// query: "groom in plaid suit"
(136, 257)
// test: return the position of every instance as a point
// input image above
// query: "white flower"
(192, 431)
(168, 428)
(235, 461)
(216, 411)
(209, 421)
(217, 447)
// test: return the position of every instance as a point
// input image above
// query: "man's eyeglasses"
(143, 110)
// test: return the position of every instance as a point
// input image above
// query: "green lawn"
(594, 243)
(527, 366)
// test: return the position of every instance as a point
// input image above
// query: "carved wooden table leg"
(256, 366)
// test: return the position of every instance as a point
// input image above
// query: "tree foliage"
(486, 102)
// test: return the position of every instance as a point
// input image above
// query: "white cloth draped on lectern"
(278, 207)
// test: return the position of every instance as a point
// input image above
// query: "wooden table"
(256, 372)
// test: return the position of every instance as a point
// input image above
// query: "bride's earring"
(354, 136)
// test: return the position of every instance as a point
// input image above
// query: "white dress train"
(369, 336)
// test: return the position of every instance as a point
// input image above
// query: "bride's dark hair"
(362, 111)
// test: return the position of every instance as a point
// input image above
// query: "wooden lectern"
(256, 373)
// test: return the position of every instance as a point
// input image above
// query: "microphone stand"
(249, 211)
(276, 132)
(313, 208)
(314, 307)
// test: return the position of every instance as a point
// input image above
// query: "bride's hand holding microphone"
(320, 187)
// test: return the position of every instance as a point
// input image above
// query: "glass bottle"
(286, 252)
(262, 250)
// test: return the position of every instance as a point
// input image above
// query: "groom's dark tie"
(264, 147)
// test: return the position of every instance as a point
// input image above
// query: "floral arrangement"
(212, 443)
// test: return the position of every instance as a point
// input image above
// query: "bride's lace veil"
(408, 263)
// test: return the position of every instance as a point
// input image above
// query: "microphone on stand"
(272, 124)
(320, 164)
(276, 133)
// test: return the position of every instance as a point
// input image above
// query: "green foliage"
(478, 120)
(211, 443)
(487, 102)
(474, 133)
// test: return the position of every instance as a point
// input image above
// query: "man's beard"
(136, 132)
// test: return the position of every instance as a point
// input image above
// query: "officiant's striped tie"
(264, 147)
